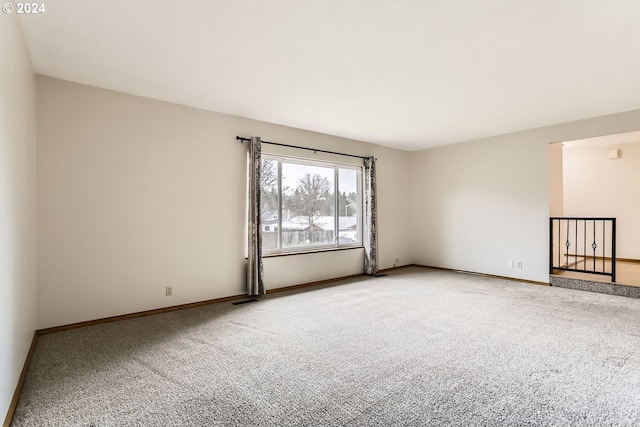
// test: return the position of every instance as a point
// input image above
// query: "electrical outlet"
(519, 264)
(510, 264)
(169, 291)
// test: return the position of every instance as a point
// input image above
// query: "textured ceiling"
(410, 74)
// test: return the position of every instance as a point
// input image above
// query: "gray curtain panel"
(255, 282)
(370, 218)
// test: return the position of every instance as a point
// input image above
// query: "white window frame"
(336, 166)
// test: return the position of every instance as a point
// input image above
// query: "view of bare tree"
(269, 175)
(312, 198)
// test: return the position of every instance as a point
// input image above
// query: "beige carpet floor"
(418, 347)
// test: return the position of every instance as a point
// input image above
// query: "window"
(309, 205)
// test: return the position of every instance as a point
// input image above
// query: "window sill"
(310, 251)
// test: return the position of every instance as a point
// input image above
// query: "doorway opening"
(597, 178)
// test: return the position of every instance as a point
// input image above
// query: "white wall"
(479, 204)
(136, 194)
(595, 185)
(17, 206)
(556, 180)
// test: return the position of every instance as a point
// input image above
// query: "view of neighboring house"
(298, 231)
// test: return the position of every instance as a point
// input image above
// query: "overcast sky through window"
(292, 172)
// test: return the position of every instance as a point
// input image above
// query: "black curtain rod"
(315, 150)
